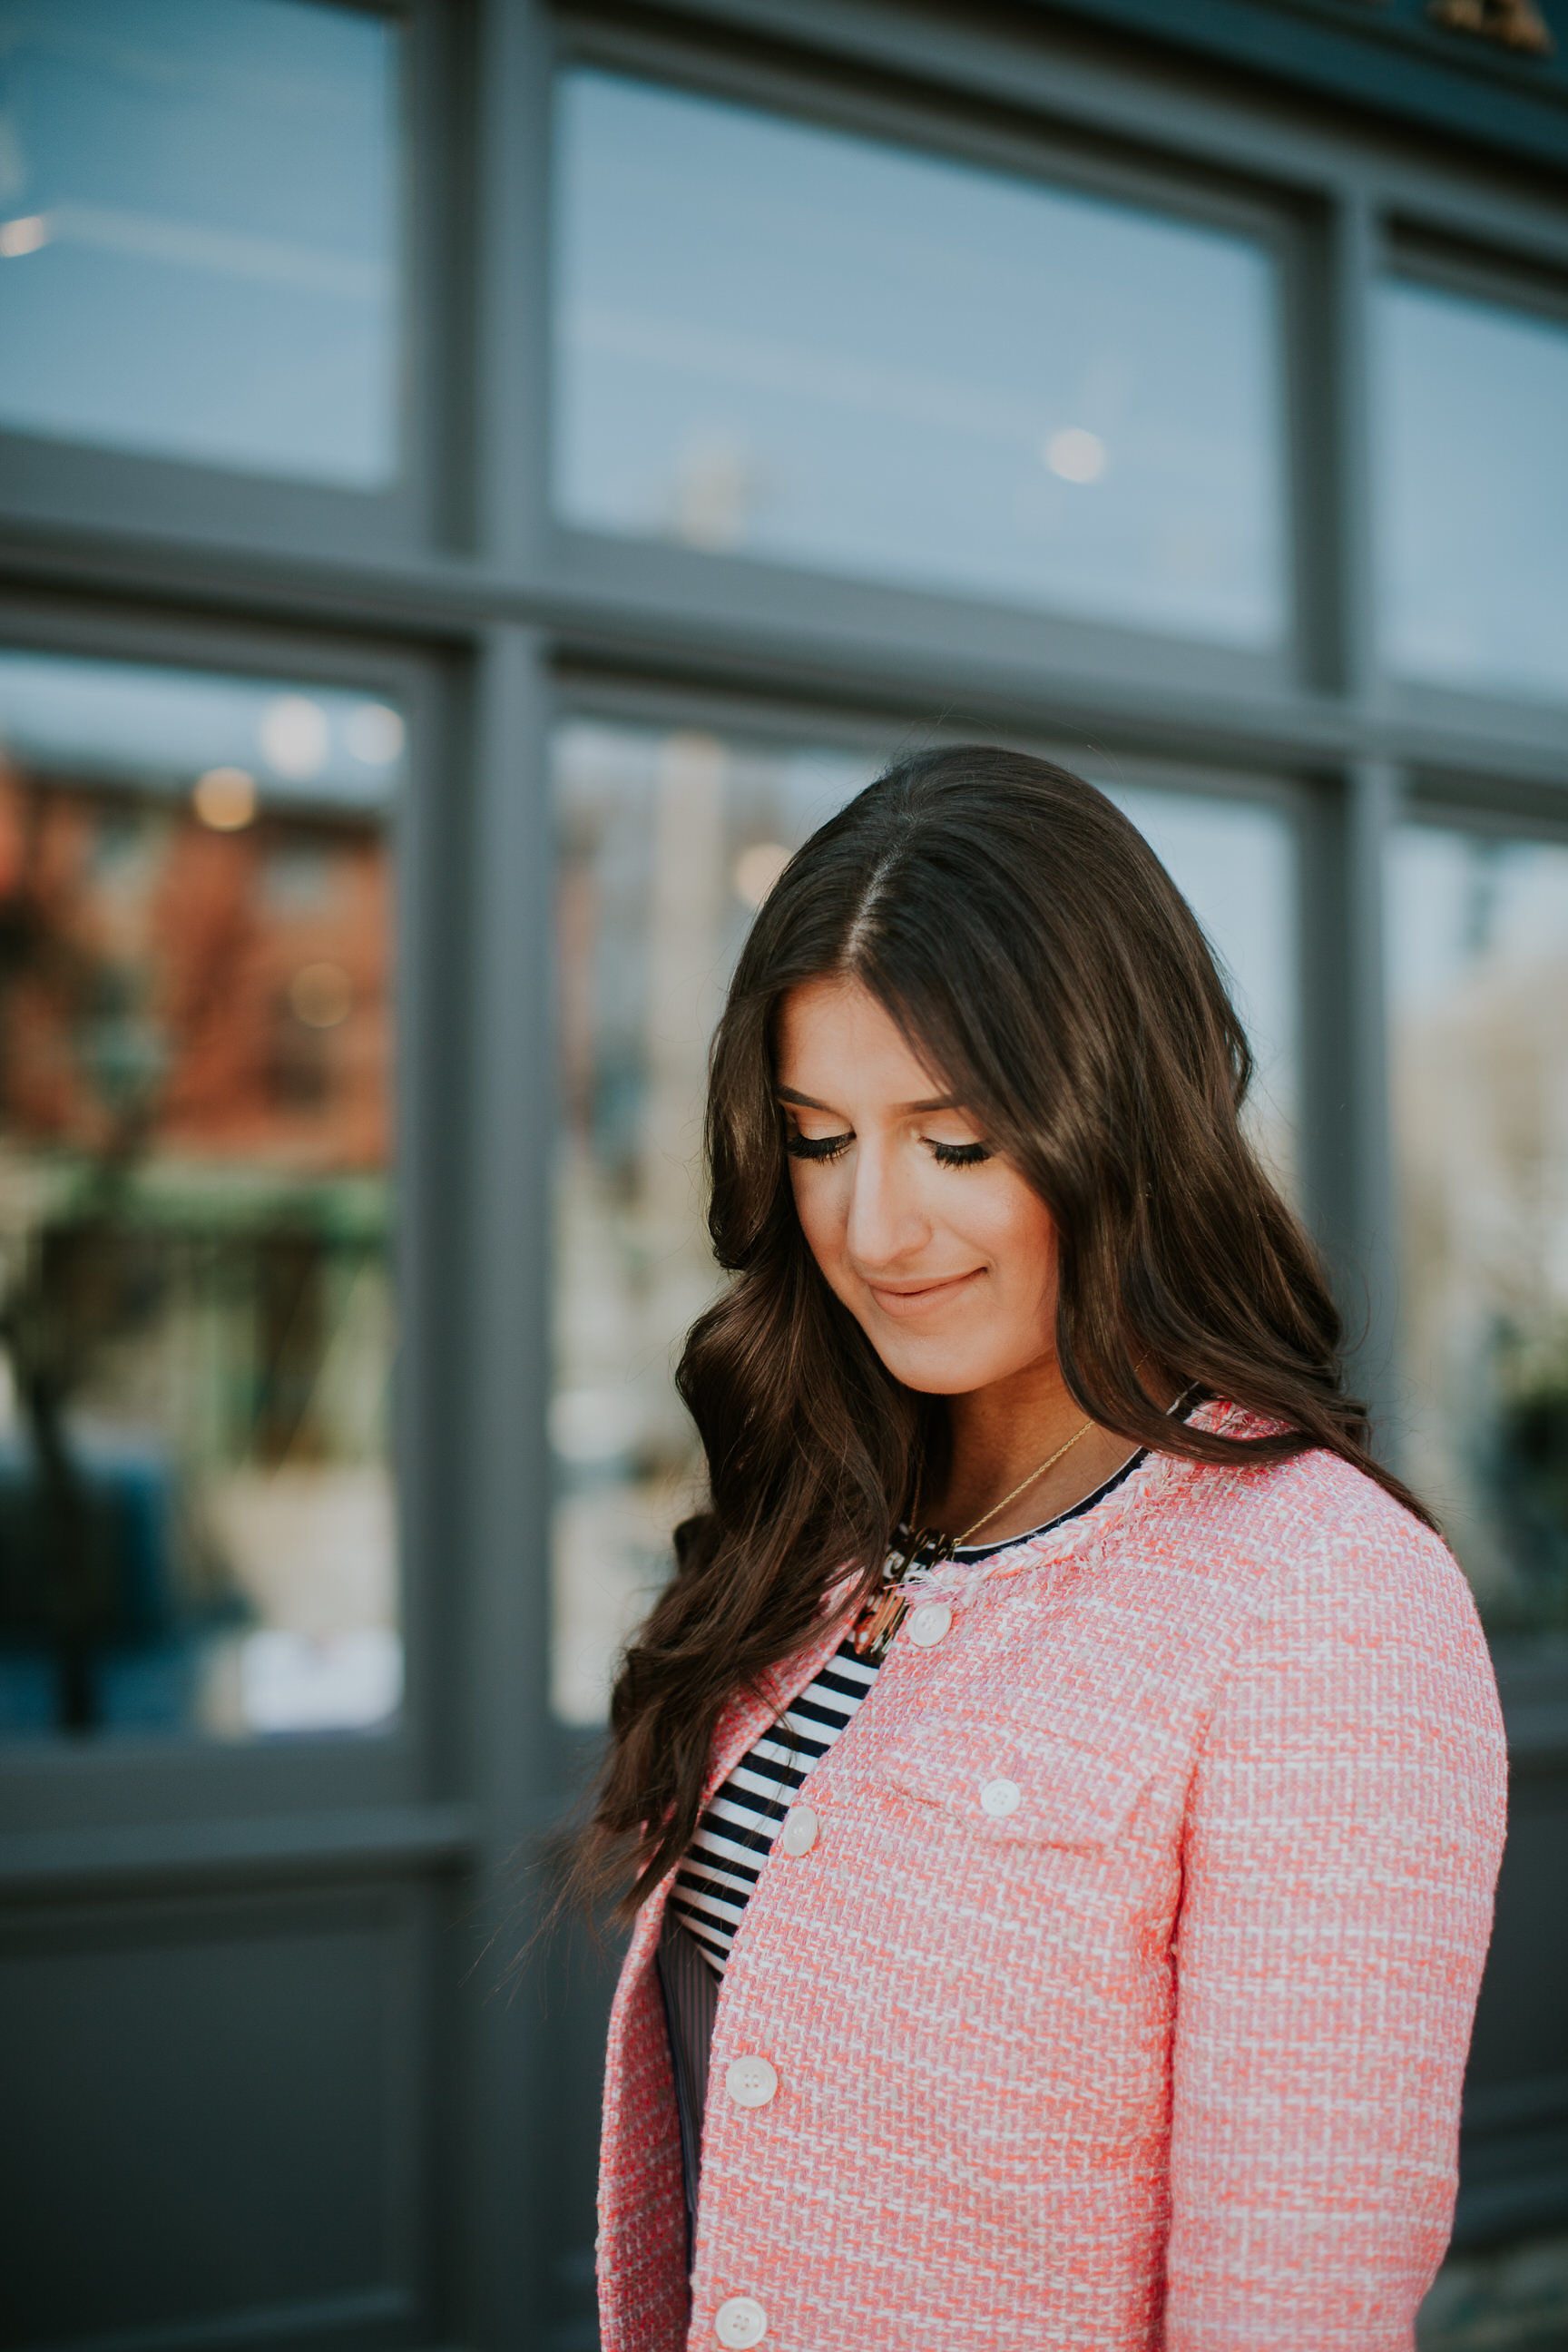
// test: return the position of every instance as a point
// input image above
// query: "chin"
(935, 1372)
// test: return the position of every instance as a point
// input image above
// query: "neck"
(998, 1435)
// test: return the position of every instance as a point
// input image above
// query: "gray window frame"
(461, 598)
(48, 484)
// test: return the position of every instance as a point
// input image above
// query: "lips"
(911, 1299)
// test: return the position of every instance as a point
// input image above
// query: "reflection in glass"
(197, 231)
(1478, 966)
(1474, 471)
(1234, 861)
(781, 342)
(195, 1507)
(667, 844)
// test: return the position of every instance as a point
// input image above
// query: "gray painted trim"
(1353, 232)
(1394, 64)
(441, 203)
(428, 1016)
(1371, 793)
(502, 2173)
(138, 1856)
(1086, 76)
(661, 701)
(513, 105)
(54, 1785)
(1039, 145)
(1482, 805)
(735, 624)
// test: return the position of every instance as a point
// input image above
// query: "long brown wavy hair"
(1040, 959)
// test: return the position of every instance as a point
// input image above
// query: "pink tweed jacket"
(1169, 2055)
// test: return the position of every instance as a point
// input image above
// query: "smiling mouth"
(918, 1298)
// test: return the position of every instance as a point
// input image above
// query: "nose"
(886, 1227)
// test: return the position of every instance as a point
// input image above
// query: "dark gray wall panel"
(572, 1982)
(1522, 2023)
(1513, 2158)
(210, 2113)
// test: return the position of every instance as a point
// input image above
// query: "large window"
(1478, 937)
(199, 232)
(195, 1321)
(780, 341)
(668, 842)
(1473, 475)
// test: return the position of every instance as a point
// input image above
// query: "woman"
(1064, 1772)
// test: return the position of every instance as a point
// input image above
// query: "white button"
(1001, 1797)
(929, 1624)
(750, 2083)
(740, 2322)
(798, 1834)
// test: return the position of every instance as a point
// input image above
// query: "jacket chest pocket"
(1015, 1784)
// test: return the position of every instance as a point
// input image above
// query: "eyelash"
(819, 1147)
(825, 1149)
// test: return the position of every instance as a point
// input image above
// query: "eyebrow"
(809, 1102)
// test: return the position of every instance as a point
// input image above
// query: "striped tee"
(736, 1834)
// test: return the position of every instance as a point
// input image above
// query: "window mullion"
(1350, 631)
(1347, 1148)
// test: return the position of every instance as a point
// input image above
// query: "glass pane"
(1235, 862)
(196, 1524)
(197, 231)
(667, 842)
(781, 342)
(1474, 493)
(1479, 964)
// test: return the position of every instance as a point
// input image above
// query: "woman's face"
(939, 1250)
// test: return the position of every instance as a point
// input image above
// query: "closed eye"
(818, 1147)
(959, 1155)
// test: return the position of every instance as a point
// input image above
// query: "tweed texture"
(1168, 2056)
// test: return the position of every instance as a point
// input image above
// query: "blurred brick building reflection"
(227, 989)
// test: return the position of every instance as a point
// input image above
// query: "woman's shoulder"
(1347, 1610)
(1317, 1526)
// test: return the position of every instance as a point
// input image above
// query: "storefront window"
(777, 341)
(1474, 492)
(198, 232)
(1235, 862)
(196, 1524)
(1478, 960)
(667, 845)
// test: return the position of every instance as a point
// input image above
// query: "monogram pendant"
(875, 1625)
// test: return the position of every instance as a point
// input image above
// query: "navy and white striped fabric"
(735, 1835)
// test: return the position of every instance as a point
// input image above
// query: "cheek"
(1014, 1226)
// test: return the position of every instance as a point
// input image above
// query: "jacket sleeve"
(1344, 1827)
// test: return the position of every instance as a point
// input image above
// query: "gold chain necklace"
(1022, 1487)
(881, 1616)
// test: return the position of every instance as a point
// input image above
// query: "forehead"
(834, 1033)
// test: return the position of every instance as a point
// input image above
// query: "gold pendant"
(877, 1622)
